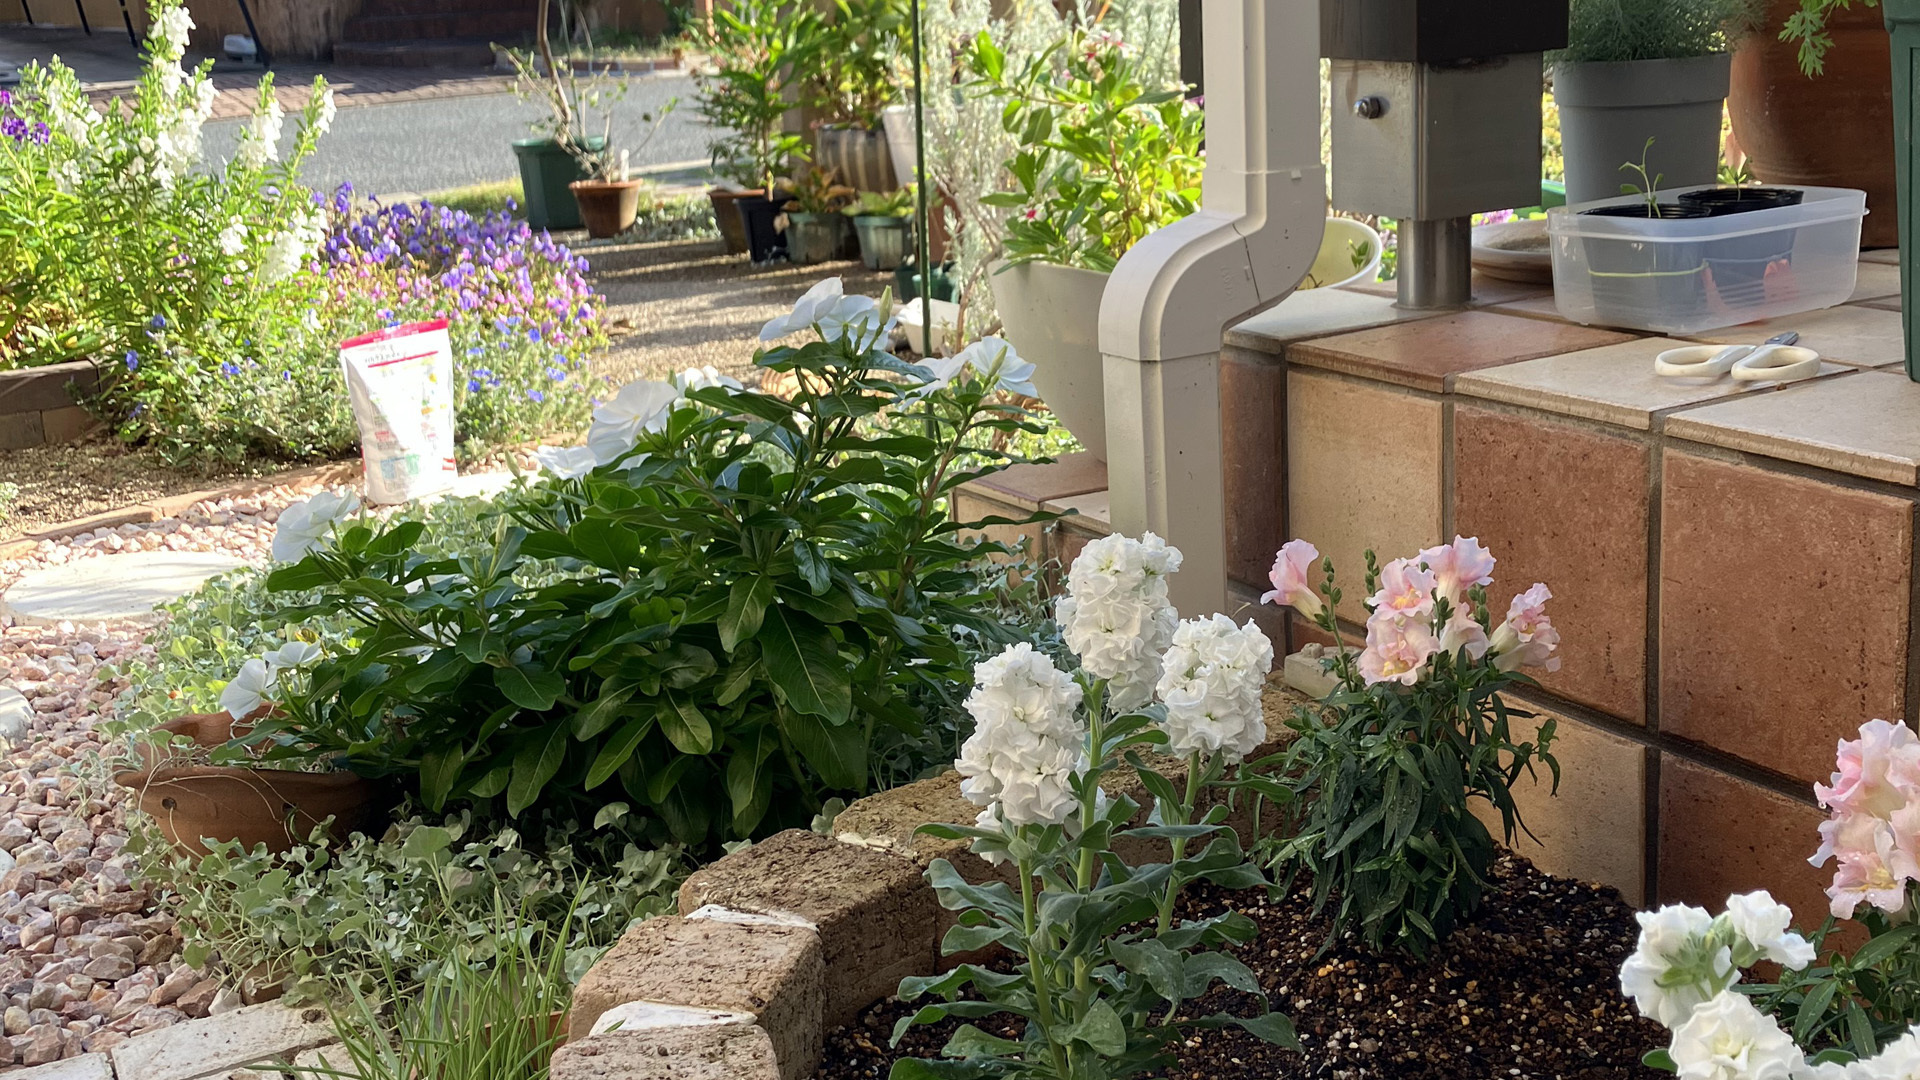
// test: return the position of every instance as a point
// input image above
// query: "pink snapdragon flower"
(1397, 648)
(1462, 630)
(1877, 773)
(1458, 566)
(1406, 591)
(1527, 638)
(1292, 579)
(1876, 874)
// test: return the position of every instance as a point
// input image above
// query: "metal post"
(80, 9)
(125, 17)
(922, 244)
(1436, 263)
(259, 47)
(1903, 24)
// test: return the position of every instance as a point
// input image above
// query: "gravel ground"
(60, 483)
(87, 958)
(680, 304)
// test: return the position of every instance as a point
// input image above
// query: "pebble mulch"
(88, 958)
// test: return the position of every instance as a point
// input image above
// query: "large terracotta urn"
(1830, 130)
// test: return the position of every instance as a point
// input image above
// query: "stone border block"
(256, 1033)
(708, 1052)
(874, 911)
(775, 974)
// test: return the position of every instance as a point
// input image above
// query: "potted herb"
(881, 222)
(816, 229)
(1814, 79)
(852, 85)
(1104, 160)
(1635, 70)
(758, 50)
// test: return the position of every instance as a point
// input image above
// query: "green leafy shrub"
(753, 586)
(1382, 775)
(1104, 157)
(760, 50)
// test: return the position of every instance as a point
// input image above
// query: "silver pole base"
(1436, 263)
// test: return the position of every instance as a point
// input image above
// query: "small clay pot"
(275, 807)
(607, 207)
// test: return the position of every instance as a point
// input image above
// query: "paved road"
(424, 146)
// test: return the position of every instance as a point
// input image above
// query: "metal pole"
(80, 9)
(26, 12)
(259, 47)
(1436, 263)
(922, 245)
(125, 17)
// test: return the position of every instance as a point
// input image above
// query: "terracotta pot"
(733, 231)
(1832, 130)
(607, 207)
(274, 807)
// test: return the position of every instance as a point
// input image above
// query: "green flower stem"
(1180, 842)
(1096, 753)
(1037, 963)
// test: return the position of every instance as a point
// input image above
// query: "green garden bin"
(545, 172)
(1903, 25)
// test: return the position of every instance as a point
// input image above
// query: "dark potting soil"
(1526, 990)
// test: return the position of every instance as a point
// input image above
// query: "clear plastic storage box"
(1679, 276)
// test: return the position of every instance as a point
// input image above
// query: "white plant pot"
(897, 121)
(1051, 314)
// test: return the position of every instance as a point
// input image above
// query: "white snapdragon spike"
(641, 406)
(290, 248)
(328, 110)
(1672, 969)
(1765, 924)
(260, 143)
(233, 238)
(251, 687)
(1028, 739)
(169, 33)
(310, 522)
(1116, 616)
(566, 462)
(1211, 683)
(1728, 1039)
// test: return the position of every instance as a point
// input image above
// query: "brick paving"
(239, 90)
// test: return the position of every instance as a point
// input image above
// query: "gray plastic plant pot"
(1608, 111)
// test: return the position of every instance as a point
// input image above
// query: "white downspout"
(1263, 210)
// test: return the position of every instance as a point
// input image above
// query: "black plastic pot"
(1737, 266)
(906, 282)
(1721, 201)
(757, 213)
(1632, 278)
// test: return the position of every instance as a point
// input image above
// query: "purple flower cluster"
(15, 127)
(519, 308)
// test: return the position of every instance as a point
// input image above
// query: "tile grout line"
(1650, 691)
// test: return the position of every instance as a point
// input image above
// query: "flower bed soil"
(1528, 990)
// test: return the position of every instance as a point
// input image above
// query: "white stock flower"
(251, 687)
(233, 238)
(1898, 1060)
(1116, 616)
(1027, 741)
(566, 462)
(641, 406)
(1655, 976)
(310, 522)
(1211, 683)
(294, 654)
(1765, 923)
(1728, 1039)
